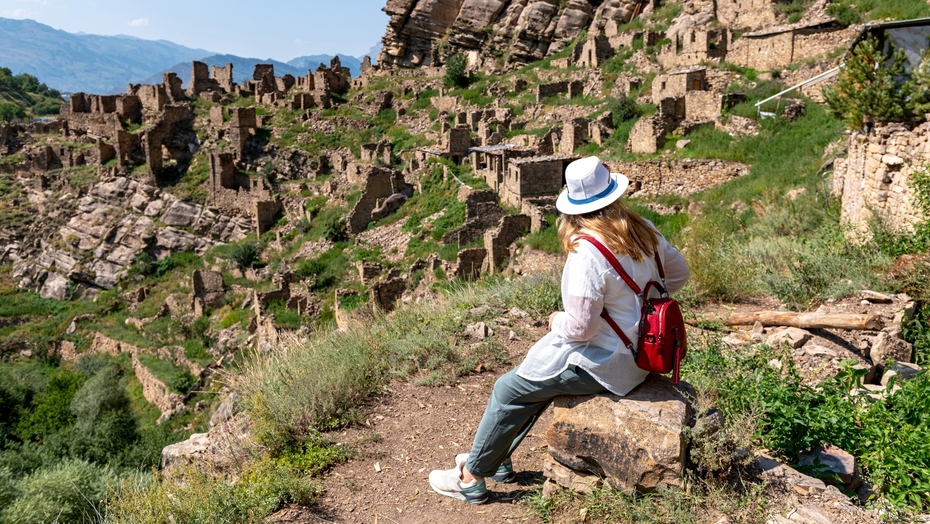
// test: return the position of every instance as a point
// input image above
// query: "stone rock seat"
(634, 442)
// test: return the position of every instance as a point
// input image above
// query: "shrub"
(866, 91)
(455, 75)
(47, 107)
(104, 426)
(844, 14)
(10, 111)
(623, 108)
(71, 491)
(193, 495)
(245, 254)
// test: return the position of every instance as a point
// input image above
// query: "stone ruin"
(383, 192)
(233, 192)
(874, 180)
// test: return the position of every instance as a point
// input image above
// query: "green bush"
(864, 91)
(455, 75)
(104, 425)
(10, 111)
(71, 491)
(245, 254)
(844, 14)
(47, 107)
(51, 411)
(623, 108)
(196, 496)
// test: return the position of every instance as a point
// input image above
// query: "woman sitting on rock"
(582, 354)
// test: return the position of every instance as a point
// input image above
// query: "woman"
(581, 355)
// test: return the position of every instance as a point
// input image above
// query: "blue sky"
(278, 29)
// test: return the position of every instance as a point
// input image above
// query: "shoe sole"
(458, 495)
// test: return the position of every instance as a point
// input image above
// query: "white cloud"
(139, 22)
(15, 13)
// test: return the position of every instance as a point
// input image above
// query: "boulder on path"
(633, 442)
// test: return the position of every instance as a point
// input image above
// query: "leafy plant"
(10, 111)
(868, 87)
(245, 254)
(455, 75)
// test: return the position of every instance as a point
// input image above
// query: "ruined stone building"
(237, 194)
(745, 13)
(875, 179)
(593, 51)
(778, 47)
(384, 190)
(694, 46)
(534, 177)
(221, 80)
(490, 162)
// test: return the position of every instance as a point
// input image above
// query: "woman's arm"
(583, 297)
(580, 319)
(676, 268)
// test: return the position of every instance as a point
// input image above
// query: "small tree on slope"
(869, 86)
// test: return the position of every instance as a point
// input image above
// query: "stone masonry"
(874, 180)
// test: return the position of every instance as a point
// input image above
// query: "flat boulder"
(633, 442)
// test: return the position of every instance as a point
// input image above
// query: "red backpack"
(662, 342)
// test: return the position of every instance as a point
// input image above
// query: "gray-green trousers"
(513, 408)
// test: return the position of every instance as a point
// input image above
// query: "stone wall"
(482, 212)
(745, 13)
(682, 177)
(497, 242)
(534, 177)
(874, 180)
(703, 105)
(380, 185)
(777, 48)
(647, 136)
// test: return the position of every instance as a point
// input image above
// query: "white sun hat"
(590, 186)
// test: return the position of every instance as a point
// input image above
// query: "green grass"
(305, 385)
(867, 10)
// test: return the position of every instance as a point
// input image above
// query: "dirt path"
(412, 430)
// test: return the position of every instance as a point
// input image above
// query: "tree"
(10, 112)
(869, 85)
(455, 75)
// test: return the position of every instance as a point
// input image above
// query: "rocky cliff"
(421, 32)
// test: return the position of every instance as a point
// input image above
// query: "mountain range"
(106, 64)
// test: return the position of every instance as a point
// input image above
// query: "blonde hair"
(622, 230)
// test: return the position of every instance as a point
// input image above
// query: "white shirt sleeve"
(676, 268)
(583, 298)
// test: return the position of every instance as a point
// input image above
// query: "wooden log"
(802, 320)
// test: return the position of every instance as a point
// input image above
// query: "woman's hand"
(552, 318)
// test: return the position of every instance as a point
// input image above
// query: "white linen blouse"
(579, 337)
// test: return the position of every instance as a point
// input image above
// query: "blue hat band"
(610, 187)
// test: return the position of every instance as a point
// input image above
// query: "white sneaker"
(504, 473)
(448, 482)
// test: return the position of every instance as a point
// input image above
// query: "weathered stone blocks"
(634, 442)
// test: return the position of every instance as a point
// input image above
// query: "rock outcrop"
(633, 442)
(421, 31)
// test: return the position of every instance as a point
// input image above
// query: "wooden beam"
(801, 320)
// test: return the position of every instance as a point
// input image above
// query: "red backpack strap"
(613, 325)
(615, 263)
